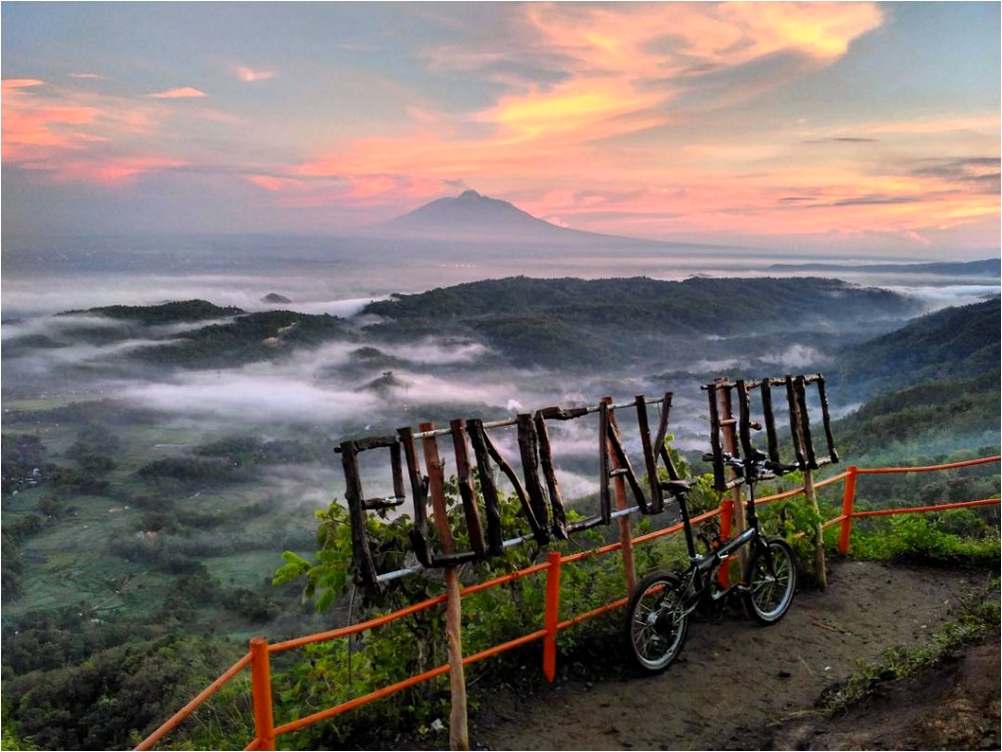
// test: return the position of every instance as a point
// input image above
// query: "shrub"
(927, 539)
(116, 697)
(189, 470)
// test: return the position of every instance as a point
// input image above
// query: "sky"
(843, 127)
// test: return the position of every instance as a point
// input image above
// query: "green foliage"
(247, 338)
(956, 538)
(55, 638)
(11, 738)
(77, 481)
(188, 470)
(166, 313)
(53, 508)
(12, 570)
(21, 455)
(249, 450)
(115, 697)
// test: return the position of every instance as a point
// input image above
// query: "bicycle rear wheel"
(656, 621)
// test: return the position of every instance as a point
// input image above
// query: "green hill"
(953, 343)
(165, 313)
(924, 422)
(575, 322)
(932, 388)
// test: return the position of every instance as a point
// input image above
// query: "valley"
(157, 460)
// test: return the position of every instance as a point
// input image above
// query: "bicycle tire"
(759, 580)
(672, 646)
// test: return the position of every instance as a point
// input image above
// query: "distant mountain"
(471, 215)
(275, 299)
(985, 268)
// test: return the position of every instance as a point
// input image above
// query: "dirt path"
(733, 677)
(953, 705)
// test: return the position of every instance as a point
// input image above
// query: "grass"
(979, 615)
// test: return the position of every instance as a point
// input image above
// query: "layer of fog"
(339, 275)
(938, 297)
(314, 294)
(332, 390)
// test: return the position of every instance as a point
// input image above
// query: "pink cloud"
(89, 76)
(10, 84)
(112, 171)
(374, 191)
(69, 135)
(250, 75)
(184, 92)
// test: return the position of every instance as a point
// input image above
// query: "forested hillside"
(956, 342)
(933, 387)
(574, 322)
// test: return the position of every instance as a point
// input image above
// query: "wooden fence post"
(625, 532)
(459, 738)
(848, 505)
(800, 425)
(264, 718)
(552, 616)
(811, 494)
(732, 512)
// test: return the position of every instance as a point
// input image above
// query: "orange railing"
(258, 657)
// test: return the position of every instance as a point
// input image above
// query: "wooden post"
(552, 617)
(819, 541)
(732, 516)
(848, 505)
(625, 532)
(459, 738)
(264, 719)
(800, 423)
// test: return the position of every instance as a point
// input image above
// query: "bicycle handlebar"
(779, 468)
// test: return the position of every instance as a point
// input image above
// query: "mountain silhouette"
(471, 215)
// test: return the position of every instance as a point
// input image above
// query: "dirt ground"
(735, 680)
(954, 705)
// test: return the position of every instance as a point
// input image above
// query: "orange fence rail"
(258, 657)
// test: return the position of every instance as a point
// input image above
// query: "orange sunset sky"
(851, 127)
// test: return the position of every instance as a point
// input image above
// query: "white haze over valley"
(328, 390)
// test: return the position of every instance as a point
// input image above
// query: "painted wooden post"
(552, 617)
(459, 738)
(732, 513)
(264, 719)
(625, 531)
(848, 505)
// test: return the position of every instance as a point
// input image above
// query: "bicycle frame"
(706, 565)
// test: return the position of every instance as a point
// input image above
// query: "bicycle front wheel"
(656, 621)
(772, 581)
